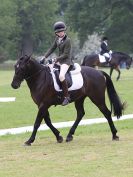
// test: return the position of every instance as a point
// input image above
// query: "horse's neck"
(39, 79)
(122, 56)
(34, 68)
(116, 58)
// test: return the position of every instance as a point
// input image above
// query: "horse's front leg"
(80, 113)
(37, 123)
(119, 73)
(43, 113)
(54, 130)
(111, 71)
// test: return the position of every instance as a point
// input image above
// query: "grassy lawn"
(92, 153)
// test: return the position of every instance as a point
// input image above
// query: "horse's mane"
(35, 61)
(121, 53)
(43, 69)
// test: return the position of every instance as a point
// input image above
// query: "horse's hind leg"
(80, 113)
(99, 101)
(103, 108)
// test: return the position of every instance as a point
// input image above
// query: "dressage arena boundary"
(61, 125)
(7, 99)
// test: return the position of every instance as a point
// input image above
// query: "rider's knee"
(62, 78)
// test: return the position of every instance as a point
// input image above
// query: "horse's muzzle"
(15, 85)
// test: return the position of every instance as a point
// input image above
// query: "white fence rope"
(60, 125)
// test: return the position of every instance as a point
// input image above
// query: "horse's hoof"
(69, 138)
(27, 143)
(60, 139)
(115, 138)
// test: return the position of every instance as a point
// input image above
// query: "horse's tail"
(115, 101)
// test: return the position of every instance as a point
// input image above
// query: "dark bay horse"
(40, 83)
(117, 58)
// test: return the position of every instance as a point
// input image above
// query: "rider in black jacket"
(105, 49)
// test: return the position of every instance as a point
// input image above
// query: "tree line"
(27, 26)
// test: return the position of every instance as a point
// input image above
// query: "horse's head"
(122, 57)
(128, 62)
(20, 71)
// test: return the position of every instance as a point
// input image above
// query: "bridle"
(31, 76)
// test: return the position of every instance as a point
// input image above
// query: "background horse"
(40, 83)
(116, 60)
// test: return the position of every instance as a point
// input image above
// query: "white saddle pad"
(77, 79)
(102, 58)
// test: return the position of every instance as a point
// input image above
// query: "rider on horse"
(63, 43)
(105, 49)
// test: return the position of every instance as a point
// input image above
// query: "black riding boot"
(65, 92)
(107, 59)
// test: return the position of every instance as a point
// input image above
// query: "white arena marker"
(7, 99)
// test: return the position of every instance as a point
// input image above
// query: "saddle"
(68, 76)
(73, 77)
(106, 57)
(103, 59)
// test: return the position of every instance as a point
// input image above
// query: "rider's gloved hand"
(50, 61)
(53, 60)
(42, 60)
(110, 52)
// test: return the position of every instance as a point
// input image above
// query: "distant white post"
(7, 99)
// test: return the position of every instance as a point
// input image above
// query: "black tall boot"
(107, 59)
(65, 93)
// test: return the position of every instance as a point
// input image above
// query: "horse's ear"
(20, 55)
(28, 57)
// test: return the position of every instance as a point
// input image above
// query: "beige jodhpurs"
(63, 69)
(106, 55)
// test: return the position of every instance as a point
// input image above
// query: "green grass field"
(92, 153)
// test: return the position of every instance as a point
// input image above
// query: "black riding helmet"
(104, 38)
(59, 26)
